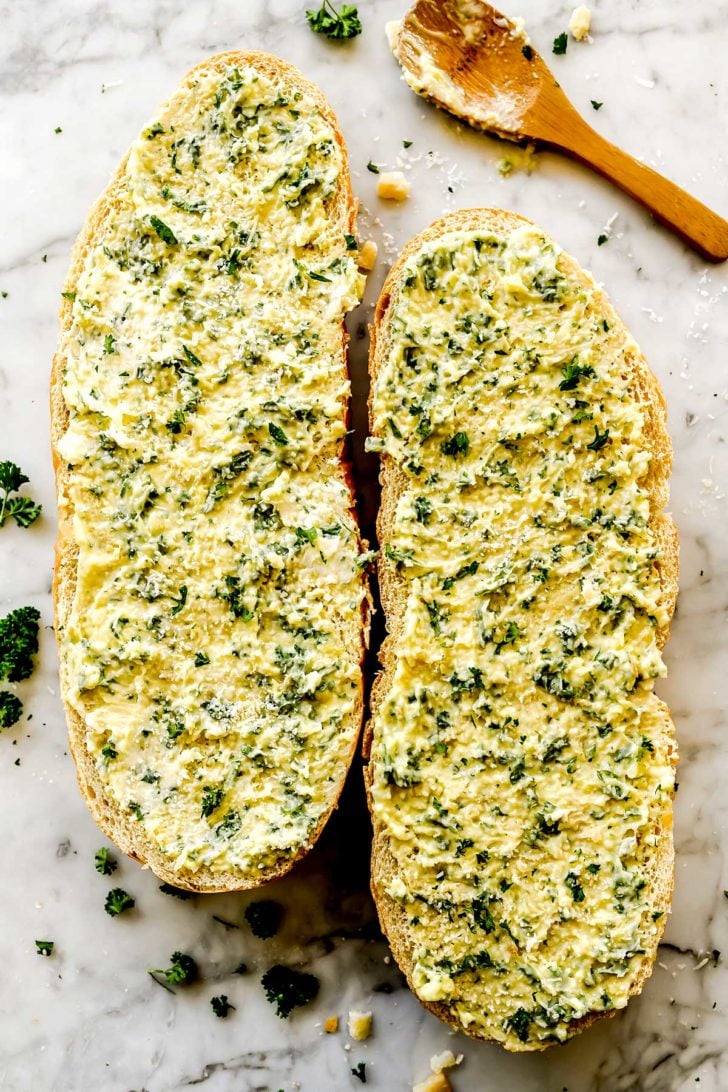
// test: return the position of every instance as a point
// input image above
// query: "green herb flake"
(179, 601)
(572, 882)
(211, 800)
(165, 233)
(459, 444)
(560, 43)
(600, 439)
(360, 1072)
(278, 434)
(45, 947)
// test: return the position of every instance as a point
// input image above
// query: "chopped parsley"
(221, 1006)
(118, 902)
(336, 24)
(572, 882)
(44, 947)
(560, 43)
(459, 444)
(182, 971)
(211, 799)
(264, 918)
(22, 509)
(165, 233)
(179, 601)
(277, 433)
(288, 989)
(600, 439)
(18, 643)
(11, 709)
(105, 862)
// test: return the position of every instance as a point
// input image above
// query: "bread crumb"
(446, 1060)
(368, 255)
(438, 1082)
(580, 23)
(360, 1025)
(331, 1024)
(393, 186)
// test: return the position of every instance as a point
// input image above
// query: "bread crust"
(645, 390)
(127, 836)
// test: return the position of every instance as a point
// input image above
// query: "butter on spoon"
(469, 59)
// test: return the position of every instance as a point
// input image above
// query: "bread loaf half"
(521, 766)
(211, 606)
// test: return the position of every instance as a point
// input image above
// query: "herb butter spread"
(522, 765)
(214, 643)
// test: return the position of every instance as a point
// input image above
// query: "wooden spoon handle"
(698, 225)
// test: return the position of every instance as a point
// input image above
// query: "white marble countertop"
(90, 1017)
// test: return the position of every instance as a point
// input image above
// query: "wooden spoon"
(466, 57)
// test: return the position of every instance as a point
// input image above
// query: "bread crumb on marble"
(368, 255)
(393, 186)
(445, 1060)
(360, 1025)
(580, 23)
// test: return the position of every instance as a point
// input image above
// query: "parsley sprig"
(340, 25)
(182, 971)
(11, 709)
(221, 1006)
(18, 646)
(118, 901)
(22, 509)
(104, 861)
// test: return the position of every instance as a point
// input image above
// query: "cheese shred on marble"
(209, 646)
(522, 770)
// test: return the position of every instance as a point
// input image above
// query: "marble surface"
(90, 1017)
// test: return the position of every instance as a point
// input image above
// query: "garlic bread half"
(521, 767)
(211, 607)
